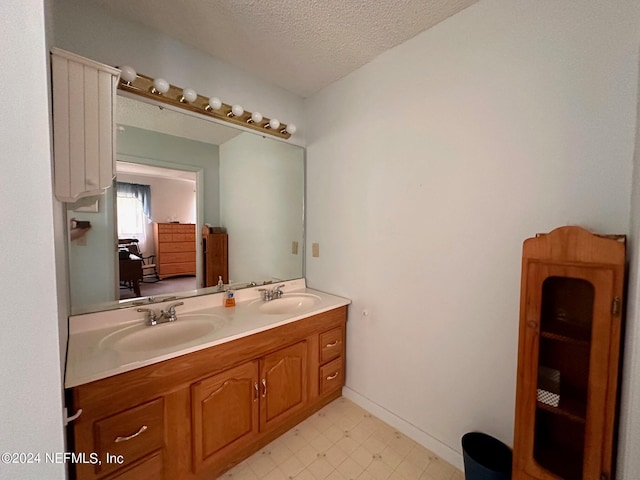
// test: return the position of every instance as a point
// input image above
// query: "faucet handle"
(171, 310)
(278, 291)
(150, 317)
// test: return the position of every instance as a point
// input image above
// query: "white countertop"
(91, 358)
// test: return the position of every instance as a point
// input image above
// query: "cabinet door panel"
(225, 413)
(284, 384)
(566, 336)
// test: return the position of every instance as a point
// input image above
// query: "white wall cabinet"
(84, 93)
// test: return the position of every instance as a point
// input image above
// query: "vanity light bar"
(162, 91)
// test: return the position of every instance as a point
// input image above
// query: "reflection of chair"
(149, 272)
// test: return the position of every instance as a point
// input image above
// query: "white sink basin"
(288, 303)
(144, 338)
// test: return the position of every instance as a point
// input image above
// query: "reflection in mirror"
(204, 181)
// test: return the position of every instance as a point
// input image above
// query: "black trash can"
(485, 457)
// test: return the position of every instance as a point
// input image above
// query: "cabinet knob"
(264, 386)
(532, 324)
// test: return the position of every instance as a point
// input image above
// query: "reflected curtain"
(136, 190)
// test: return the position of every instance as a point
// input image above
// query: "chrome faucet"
(170, 312)
(150, 318)
(168, 315)
(274, 293)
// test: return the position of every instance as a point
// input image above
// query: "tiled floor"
(343, 442)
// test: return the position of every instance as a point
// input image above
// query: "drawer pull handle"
(264, 385)
(331, 377)
(143, 428)
(332, 344)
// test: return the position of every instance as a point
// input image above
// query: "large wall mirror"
(180, 177)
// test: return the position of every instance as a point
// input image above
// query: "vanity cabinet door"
(284, 384)
(225, 413)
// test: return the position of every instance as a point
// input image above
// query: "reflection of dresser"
(175, 249)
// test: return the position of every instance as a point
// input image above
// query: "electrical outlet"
(294, 247)
(315, 249)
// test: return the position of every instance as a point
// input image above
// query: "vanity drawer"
(132, 434)
(150, 468)
(331, 344)
(331, 375)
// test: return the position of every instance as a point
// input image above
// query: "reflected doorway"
(156, 218)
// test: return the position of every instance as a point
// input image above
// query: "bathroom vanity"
(195, 409)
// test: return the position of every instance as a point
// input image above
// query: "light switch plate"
(315, 249)
(294, 247)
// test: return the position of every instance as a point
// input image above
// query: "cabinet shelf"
(572, 410)
(564, 338)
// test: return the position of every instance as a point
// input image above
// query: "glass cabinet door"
(566, 322)
(567, 334)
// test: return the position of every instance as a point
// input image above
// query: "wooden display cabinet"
(570, 324)
(215, 256)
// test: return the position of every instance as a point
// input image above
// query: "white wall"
(629, 460)
(427, 168)
(258, 178)
(85, 28)
(30, 403)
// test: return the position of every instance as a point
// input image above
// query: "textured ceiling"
(299, 45)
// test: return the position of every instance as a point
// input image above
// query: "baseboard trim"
(414, 433)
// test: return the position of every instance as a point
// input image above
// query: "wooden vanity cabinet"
(570, 324)
(209, 410)
(230, 409)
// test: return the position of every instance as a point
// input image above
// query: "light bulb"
(236, 111)
(256, 117)
(189, 95)
(160, 85)
(214, 104)
(291, 129)
(273, 123)
(128, 74)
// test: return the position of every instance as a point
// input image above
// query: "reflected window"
(130, 218)
(133, 209)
